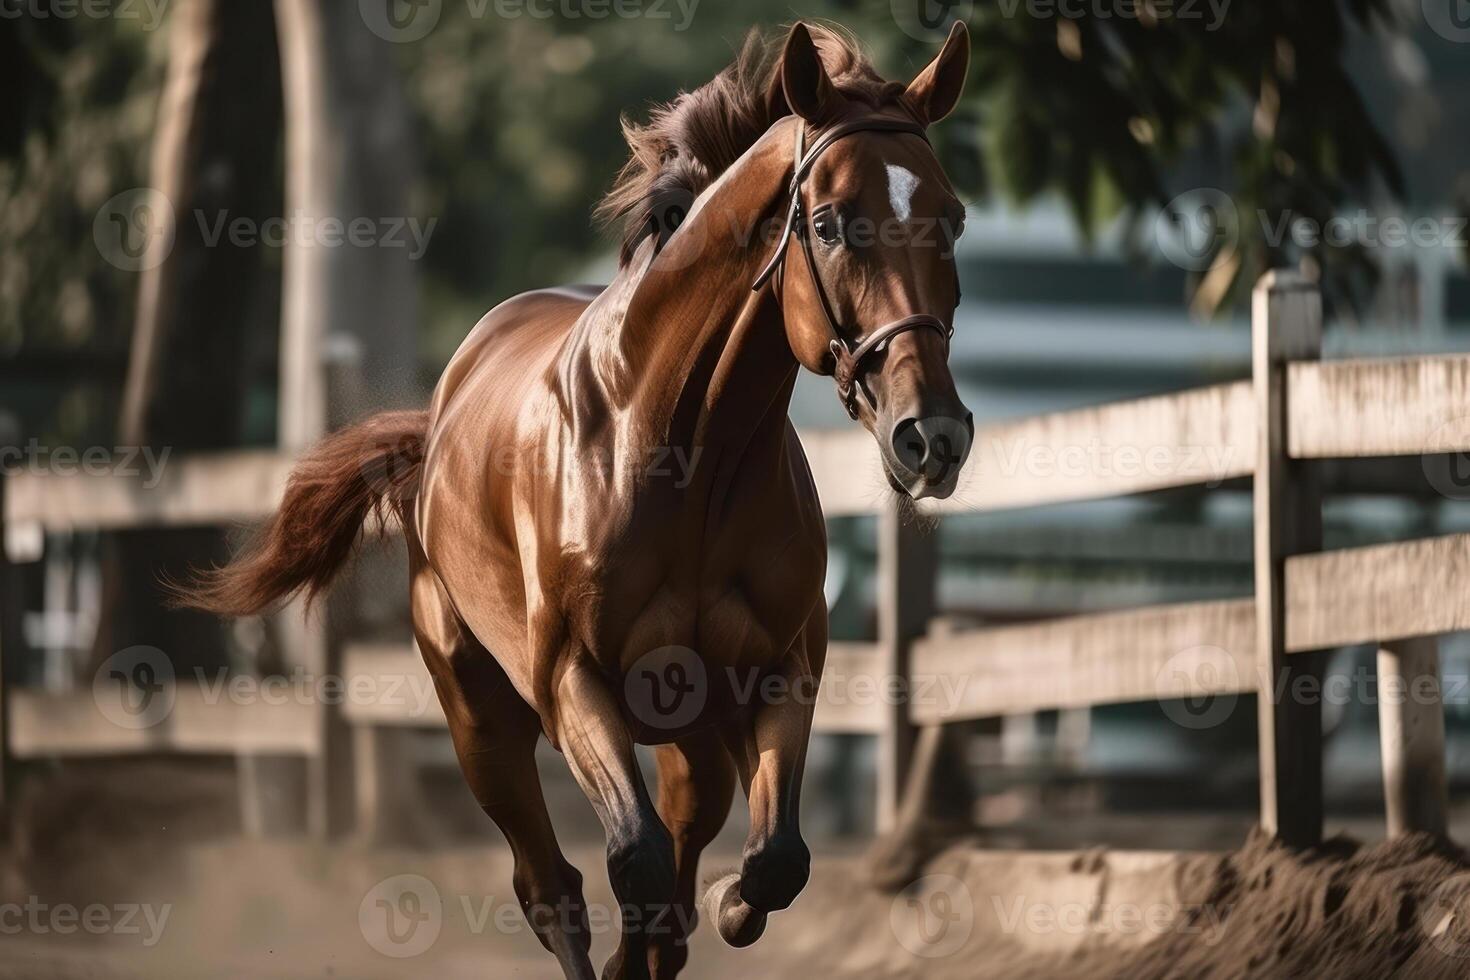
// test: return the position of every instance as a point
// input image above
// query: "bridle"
(848, 360)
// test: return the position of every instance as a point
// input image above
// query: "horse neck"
(699, 355)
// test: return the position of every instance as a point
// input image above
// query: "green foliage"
(81, 96)
(518, 135)
(1104, 107)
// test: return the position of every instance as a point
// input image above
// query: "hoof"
(738, 924)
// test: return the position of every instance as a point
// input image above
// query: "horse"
(567, 579)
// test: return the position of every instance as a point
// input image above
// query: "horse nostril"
(910, 447)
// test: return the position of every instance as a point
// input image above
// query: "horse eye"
(827, 226)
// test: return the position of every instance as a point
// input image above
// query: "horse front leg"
(769, 748)
(640, 850)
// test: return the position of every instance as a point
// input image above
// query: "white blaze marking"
(901, 187)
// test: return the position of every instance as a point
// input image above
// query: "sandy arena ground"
(184, 901)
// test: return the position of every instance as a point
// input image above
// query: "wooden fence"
(1292, 410)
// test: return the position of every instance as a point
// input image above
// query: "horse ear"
(934, 91)
(804, 81)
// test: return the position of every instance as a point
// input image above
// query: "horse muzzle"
(924, 454)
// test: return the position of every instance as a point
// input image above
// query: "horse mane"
(691, 140)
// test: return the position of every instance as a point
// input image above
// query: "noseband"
(848, 360)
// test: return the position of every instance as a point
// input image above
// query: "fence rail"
(1293, 409)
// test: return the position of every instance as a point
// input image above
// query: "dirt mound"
(1344, 910)
(1400, 908)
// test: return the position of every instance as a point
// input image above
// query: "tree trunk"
(215, 160)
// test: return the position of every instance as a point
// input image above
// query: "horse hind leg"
(495, 734)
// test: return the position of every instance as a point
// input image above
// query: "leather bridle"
(848, 360)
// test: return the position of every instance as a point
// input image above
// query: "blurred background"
(1131, 168)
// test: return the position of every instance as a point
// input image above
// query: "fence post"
(907, 560)
(9, 647)
(1286, 325)
(1411, 732)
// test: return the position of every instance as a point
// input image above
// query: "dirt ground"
(128, 891)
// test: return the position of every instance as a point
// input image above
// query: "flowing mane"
(691, 140)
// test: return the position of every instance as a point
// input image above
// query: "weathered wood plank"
(388, 684)
(1201, 436)
(200, 721)
(1403, 406)
(854, 690)
(197, 490)
(1184, 650)
(1378, 593)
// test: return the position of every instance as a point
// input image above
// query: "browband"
(847, 361)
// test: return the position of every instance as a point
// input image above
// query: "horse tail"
(370, 469)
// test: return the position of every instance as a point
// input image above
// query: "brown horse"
(613, 534)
